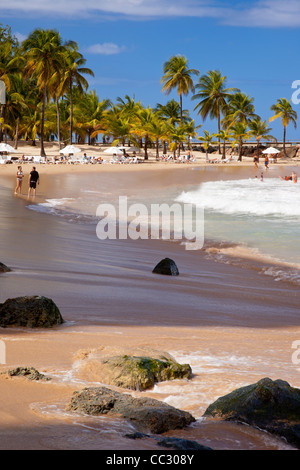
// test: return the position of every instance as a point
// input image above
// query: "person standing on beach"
(34, 179)
(266, 162)
(19, 176)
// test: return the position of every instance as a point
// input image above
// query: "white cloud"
(267, 14)
(107, 48)
(261, 13)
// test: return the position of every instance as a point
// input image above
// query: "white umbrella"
(271, 150)
(114, 150)
(70, 149)
(6, 148)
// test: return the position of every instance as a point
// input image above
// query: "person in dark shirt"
(34, 179)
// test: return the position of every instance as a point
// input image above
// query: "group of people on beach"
(34, 179)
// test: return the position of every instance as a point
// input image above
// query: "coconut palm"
(43, 54)
(260, 130)
(208, 140)
(142, 126)
(73, 71)
(240, 134)
(178, 75)
(240, 109)
(225, 135)
(89, 112)
(283, 109)
(213, 96)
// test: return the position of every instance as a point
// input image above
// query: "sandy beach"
(233, 324)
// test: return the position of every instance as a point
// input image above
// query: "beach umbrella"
(70, 149)
(114, 150)
(6, 148)
(271, 150)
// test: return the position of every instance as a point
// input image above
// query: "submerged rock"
(29, 372)
(181, 444)
(4, 268)
(31, 312)
(167, 267)
(141, 373)
(270, 405)
(146, 414)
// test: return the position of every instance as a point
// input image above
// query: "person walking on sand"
(255, 160)
(19, 176)
(34, 179)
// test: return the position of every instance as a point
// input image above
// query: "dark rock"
(181, 444)
(141, 373)
(29, 372)
(4, 268)
(270, 405)
(31, 312)
(166, 266)
(146, 414)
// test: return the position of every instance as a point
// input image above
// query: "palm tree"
(260, 130)
(89, 113)
(73, 71)
(284, 110)
(240, 134)
(142, 126)
(207, 140)
(225, 135)
(43, 53)
(213, 96)
(240, 109)
(178, 75)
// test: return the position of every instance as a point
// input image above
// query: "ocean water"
(245, 218)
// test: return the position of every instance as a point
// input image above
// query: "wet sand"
(232, 324)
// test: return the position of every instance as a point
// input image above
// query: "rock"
(166, 266)
(270, 405)
(181, 444)
(141, 373)
(291, 152)
(146, 414)
(29, 372)
(31, 312)
(4, 269)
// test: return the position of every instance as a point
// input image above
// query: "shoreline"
(220, 317)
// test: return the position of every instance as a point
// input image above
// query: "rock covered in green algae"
(30, 311)
(270, 405)
(29, 372)
(142, 372)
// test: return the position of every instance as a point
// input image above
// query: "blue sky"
(126, 42)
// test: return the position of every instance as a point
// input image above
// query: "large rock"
(142, 372)
(31, 312)
(146, 414)
(270, 405)
(166, 266)
(4, 268)
(29, 372)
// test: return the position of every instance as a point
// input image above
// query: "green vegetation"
(48, 98)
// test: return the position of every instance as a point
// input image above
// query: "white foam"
(271, 197)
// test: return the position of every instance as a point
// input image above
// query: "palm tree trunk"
(17, 133)
(71, 113)
(181, 107)
(146, 146)
(240, 150)
(58, 122)
(284, 137)
(1, 116)
(43, 154)
(219, 129)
